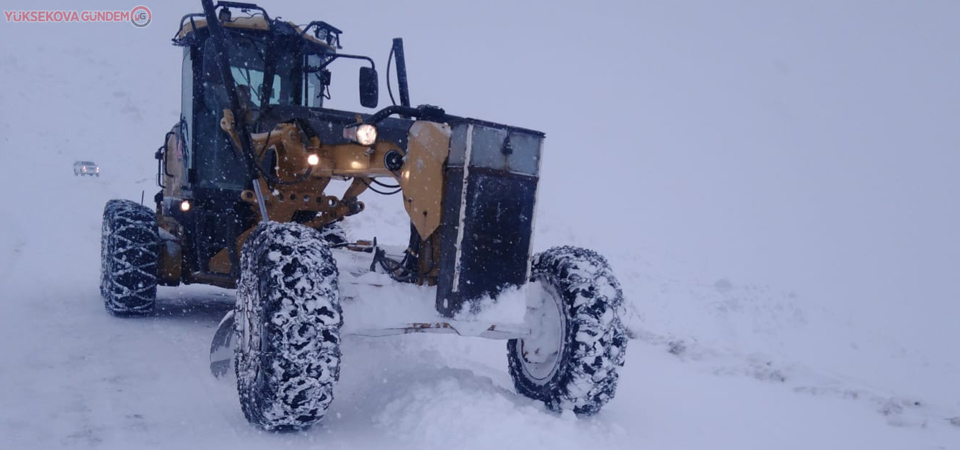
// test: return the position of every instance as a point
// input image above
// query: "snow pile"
(508, 307)
(452, 410)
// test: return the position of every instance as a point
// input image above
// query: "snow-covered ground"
(773, 185)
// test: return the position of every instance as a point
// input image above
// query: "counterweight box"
(488, 208)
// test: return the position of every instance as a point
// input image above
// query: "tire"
(334, 233)
(579, 342)
(288, 320)
(129, 253)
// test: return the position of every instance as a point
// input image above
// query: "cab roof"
(323, 34)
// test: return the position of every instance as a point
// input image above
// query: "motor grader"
(247, 201)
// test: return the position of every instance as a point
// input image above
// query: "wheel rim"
(245, 348)
(542, 353)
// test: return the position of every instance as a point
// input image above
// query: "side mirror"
(369, 87)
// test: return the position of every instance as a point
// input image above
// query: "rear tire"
(288, 320)
(578, 342)
(129, 252)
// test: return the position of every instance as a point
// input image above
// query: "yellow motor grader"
(247, 202)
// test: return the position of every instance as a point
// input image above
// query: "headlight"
(363, 134)
(313, 159)
(185, 206)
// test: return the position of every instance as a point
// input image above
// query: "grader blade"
(221, 349)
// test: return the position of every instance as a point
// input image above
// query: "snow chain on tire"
(129, 253)
(334, 233)
(594, 338)
(288, 322)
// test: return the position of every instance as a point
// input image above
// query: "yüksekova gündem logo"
(139, 16)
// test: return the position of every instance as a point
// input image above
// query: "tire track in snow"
(896, 409)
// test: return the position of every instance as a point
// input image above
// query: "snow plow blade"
(221, 349)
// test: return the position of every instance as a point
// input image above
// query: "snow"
(781, 215)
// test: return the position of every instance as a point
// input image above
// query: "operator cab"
(275, 65)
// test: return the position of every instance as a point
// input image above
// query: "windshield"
(297, 74)
(266, 73)
(315, 89)
(248, 63)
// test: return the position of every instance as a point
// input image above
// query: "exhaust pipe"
(401, 72)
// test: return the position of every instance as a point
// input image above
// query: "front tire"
(129, 253)
(288, 320)
(579, 342)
